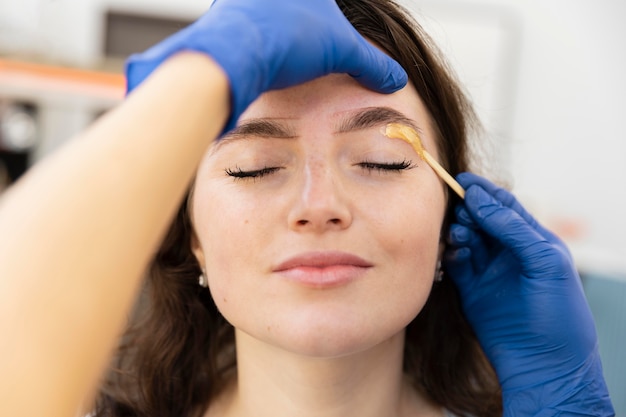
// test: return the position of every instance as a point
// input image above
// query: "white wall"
(546, 75)
(565, 140)
(555, 113)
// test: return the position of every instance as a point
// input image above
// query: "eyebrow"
(369, 117)
(361, 119)
(269, 128)
(266, 128)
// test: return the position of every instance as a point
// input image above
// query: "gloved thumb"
(391, 78)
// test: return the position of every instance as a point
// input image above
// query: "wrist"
(190, 88)
(222, 43)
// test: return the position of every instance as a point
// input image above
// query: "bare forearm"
(78, 231)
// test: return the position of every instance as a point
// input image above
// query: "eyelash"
(239, 174)
(386, 167)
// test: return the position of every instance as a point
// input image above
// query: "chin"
(335, 337)
(330, 347)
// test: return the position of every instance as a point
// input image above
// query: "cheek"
(231, 232)
(421, 241)
(412, 222)
(221, 221)
(225, 239)
(409, 233)
(224, 255)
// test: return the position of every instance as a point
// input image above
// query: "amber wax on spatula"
(409, 135)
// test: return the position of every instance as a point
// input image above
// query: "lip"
(323, 269)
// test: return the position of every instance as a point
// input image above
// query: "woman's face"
(318, 234)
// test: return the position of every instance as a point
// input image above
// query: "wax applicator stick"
(409, 135)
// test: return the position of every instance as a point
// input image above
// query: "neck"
(273, 382)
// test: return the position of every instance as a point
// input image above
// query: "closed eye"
(386, 166)
(239, 173)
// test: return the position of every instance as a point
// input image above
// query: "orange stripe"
(56, 73)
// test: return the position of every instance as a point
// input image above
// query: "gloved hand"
(523, 297)
(272, 44)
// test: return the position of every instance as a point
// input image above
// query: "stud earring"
(202, 280)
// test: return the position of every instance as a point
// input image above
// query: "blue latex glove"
(523, 297)
(271, 44)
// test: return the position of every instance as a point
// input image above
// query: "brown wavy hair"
(179, 353)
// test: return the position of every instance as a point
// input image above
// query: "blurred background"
(546, 77)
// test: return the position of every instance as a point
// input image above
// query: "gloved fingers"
(458, 265)
(344, 49)
(460, 236)
(274, 44)
(476, 263)
(464, 218)
(373, 68)
(537, 256)
(507, 199)
(335, 47)
(351, 53)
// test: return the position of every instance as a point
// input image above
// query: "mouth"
(323, 269)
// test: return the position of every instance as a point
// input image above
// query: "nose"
(321, 203)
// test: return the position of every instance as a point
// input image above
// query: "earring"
(202, 280)
(438, 272)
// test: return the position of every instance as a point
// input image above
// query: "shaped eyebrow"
(369, 117)
(361, 119)
(263, 128)
(266, 128)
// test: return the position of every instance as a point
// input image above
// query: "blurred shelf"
(39, 82)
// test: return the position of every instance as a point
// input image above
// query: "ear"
(197, 251)
(196, 248)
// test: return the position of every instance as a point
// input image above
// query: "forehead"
(326, 107)
(332, 97)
